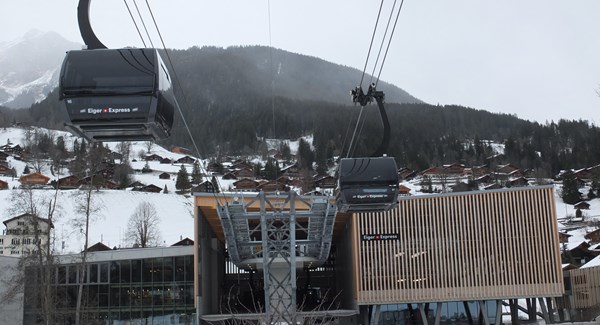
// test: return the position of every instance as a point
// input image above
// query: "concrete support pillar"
(423, 314)
(498, 320)
(483, 312)
(377, 314)
(544, 310)
(468, 312)
(438, 313)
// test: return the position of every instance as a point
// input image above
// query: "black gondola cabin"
(117, 95)
(367, 184)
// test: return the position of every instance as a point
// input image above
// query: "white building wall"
(11, 310)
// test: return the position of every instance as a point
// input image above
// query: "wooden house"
(68, 182)
(563, 237)
(5, 170)
(403, 190)
(186, 160)
(184, 242)
(3, 156)
(229, 176)
(284, 180)
(518, 182)
(150, 188)
(594, 236)
(3, 185)
(406, 173)
(454, 169)
(485, 179)
(506, 169)
(166, 161)
(432, 171)
(246, 184)
(164, 175)
(291, 171)
(241, 164)
(272, 186)
(582, 205)
(136, 184)
(243, 173)
(480, 171)
(326, 182)
(579, 255)
(214, 167)
(153, 157)
(460, 187)
(494, 186)
(12, 149)
(114, 156)
(205, 187)
(34, 179)
(98, 247)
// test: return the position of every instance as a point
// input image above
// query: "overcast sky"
(538, 59)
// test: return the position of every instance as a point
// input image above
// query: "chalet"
(454, 169)
(181, 150)
(184, 242)
(164, 175)
(3, 185)
(101, 182)
(485, 179)
(3, 156)
(241, 164)
(516, 173)
(166, 161)
(460, 187)
(150, 188)
(406, 173)
(205, 187)
(431, 171)
(582, 205)
(284, 180)
(136, 184)
(153, 157)
(518, 182)
(246, 185)
(326, 182)
(291, 171)
(243, 173)
(479, 171)
(273, 186)
(215, 167)
(186, 160)
(563, 237)
(12, 149)
(229, 176)
(403, 190)
(98, 247)
(5, 170)
(494, 186)
(68, 182)
(579, 255)
(506, 169)
(496, 159)
(34, 179)
(594, 236)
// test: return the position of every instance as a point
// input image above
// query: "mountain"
(29, 67)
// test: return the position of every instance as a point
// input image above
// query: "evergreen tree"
(165, 190)
(183, 179)
(215, 184)
(570, 190)
(196, 174)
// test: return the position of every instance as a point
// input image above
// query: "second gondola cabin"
(117, 94)
(367, 184)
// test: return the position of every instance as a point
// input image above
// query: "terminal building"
(435, 258)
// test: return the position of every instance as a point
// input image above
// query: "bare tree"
(37, 266)
(143, 225)
(86, 209)
(149, 145)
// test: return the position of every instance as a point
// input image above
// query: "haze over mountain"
(29, 67)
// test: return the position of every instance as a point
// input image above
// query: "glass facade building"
(136, 286)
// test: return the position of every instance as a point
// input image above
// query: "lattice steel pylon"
(278, 233)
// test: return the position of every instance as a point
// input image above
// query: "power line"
(136, 26)
(176, 77)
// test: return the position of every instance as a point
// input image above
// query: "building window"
(15, 241)
(20, 223)
(14, 252)
(1, 241)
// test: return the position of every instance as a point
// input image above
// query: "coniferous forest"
(234, 98)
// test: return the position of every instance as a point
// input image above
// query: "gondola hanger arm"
(85, 27)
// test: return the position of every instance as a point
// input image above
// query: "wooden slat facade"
(459, 247)
(585, 284)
